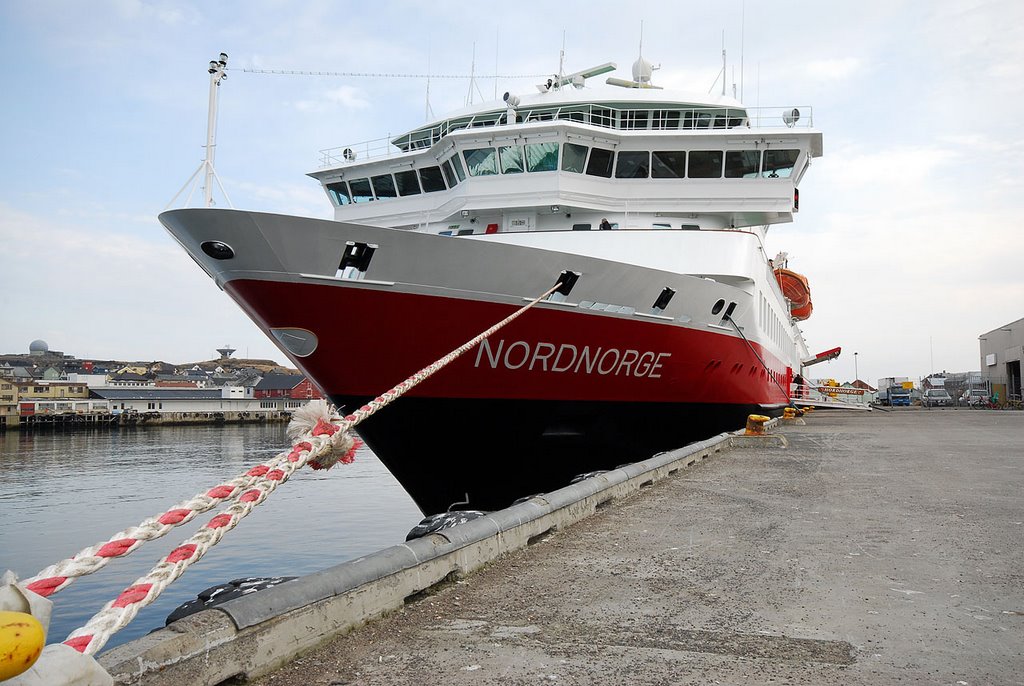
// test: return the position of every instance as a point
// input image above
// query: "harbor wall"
(110, 420)
(253, 635)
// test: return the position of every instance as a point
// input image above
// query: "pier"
(847, 548)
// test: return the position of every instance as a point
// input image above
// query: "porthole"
(718, 307)
(218, 250)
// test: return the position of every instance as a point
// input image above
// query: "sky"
(909, 225)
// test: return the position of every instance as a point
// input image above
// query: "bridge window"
(600, 163)
(339, 193)
(541, 157)
(634, 119)
(668, 164)
(602, 116)
(696, 120)
(633, 165)
(705, 164)
(384, 186)
(511, 158)
(574, 157)
(407, 183)
(742, 164)
(457, 166)
(361, 190)
(481, 161)
(665, 119)
(449, 174)
(431, 179)
(779, 163)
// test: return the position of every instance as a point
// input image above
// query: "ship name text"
(548, 357)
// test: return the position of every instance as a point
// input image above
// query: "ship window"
(384, 186)
(574, 157)
(633, 165)
(665, 119)
(634, 119)
(718, 307)
(779, 163)
(542, 157)
(457, 166)
(361, 190)
(431, 179)
(449, 174)
(742, 164)
(339, 193)
(600, 163)
(705, 164)
(668, 164)
(601, 116)
(481, 161)
(701, 120)
(407, 183)
(511, 158)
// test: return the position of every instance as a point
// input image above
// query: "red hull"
(369, 340)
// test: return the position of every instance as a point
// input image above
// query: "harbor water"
(65, 491)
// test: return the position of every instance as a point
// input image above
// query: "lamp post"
(856, 374)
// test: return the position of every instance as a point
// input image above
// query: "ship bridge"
(635, 158)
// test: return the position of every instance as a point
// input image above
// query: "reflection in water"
(65, 491)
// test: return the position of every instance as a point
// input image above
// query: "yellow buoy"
(755, 425)
(21, 641)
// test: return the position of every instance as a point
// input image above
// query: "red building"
(294, 386)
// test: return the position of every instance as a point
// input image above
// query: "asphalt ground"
(877, 548)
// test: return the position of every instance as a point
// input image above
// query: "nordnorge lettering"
(548, 357)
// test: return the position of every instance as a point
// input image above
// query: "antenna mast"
(217, 70)
(723, 63)
(216, 76)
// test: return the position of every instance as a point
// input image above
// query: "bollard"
(755, 425)
(789, 413)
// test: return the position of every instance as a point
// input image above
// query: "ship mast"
(217, 70)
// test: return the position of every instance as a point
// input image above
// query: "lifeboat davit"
(797, 291)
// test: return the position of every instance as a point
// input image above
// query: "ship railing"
(637, 118)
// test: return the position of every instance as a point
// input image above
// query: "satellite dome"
(38, 347)
(642, 71)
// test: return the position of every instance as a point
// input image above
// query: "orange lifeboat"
(802, 313)
(797, 291)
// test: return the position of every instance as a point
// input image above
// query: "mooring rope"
(59, 576)
(324, 445)
(766, 368)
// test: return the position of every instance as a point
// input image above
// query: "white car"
(936, 397)
(974, 397)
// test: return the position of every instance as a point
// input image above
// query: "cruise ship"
(648, 208)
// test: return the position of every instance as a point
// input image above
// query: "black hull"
(491, 452)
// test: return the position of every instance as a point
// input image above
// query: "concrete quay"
(847, 548)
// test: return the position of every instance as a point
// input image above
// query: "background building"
(1001, 352)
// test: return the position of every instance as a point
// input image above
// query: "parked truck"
(894, 390)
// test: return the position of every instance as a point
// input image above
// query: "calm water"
(61, 492)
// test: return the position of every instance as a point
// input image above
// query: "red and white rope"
(326, 444)
(59, 576)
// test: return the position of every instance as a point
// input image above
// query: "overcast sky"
(909, 229)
